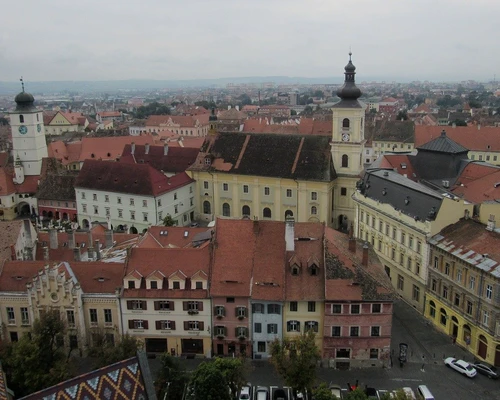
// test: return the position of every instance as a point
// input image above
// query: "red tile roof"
(14, 275)
(140, 179)
(484, 189)
(182, 120)
(170, 237)
(9, 233)
(30, 184)
(306, 286)
(109, 148)
(472, 138)
(104, 114)
(400, 162)
(7, 186)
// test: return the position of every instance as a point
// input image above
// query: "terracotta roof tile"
(470, 137)
(483, 189)
(7, 186)
(170, 237)
(9, 233)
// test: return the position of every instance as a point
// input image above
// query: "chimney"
(146, 148)
(228, 107)
(71, 239)
(290, 234)
(90, 242)
(53, 239)
(132, 148)
(97, 248)
(165, 149)
(76, 254)
(109, 238)
(364, 261)
(453, 125)
(490, 225)
(352, 245)
(90, 253)
(45, 253)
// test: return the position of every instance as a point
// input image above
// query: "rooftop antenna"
(22, 83)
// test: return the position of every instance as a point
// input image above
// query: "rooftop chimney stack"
(165, 149)
(352, 245)
(146, 148)
(97, 248)
(71, 239)
(76, 254)
(109, 238)
(90, 242)
(132, 148)
(290, 234)
(364, 261)
(53, 239)
(90, 253)
(45, 253)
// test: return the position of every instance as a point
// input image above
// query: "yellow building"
(464, 288)
(84, 293)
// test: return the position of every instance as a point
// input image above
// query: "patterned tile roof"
(127, 379)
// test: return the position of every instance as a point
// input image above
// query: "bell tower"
(28, 134)
(348, 141)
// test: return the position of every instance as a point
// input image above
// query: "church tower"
(28, 134)
(348, 140)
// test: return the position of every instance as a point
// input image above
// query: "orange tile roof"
(342, 289)
(400, 162)
(14, 275)
(30, 184)
(183, 121)
(109, 148)
(169, 237)
(109, 114)
(484, 189)
(306, 286)
(7, 186)
(9, 233)
(484, 139)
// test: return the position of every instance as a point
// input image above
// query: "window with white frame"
(293, 326)
(144, 203)
(220, 311)
(314, 196)
(354, 331)
(245, 188)
(486, 317)
(107, 211)
(96, 210)
(355, 308)
(106, 198)
(70, 315)
(267, 191)
(25, 317)
(132, 201)
(205, 185)
(375, 331)
(108, 316)
(132, 215)
(311, 325)
(225, 187)
(11, 317)
(94, 197)
(489, 292)
(289, 193)
(472, 282)
(93, 316)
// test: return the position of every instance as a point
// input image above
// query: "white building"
(132, 196)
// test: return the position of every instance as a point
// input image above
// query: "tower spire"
(22, 83)
(349, 91)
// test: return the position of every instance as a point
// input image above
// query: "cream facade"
(301, 316)
(60, 124)
(238, 196)
(381, 147)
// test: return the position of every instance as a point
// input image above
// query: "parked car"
(262, 393)
(485, 369)
(461, 366)
(372, 393)
(336, 390)
(245, 393)
(410, 394)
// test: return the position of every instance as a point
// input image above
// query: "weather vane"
(22, 83)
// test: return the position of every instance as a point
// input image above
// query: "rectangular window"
(311, 306)
(120, 213)
(159, 202)
(132, 202)
(225, 187)
(489, 292)
(469, 308)
(93, 316)
(436, 262)
(261, 347)
(335, 331)
(401, 282)
(472, 283)
(393, 253)
(132, 215)
(401, 258)
(220, 311)
(144, 203)
(257, 327)
(380, 226)
(119, 200)
(258, 308)
(267, 191)
(419, 246)
(394, 232)
(416, 293)
(289, 193)
(355, 308)
(83, 195)
(96, 210)
(376, 308)
(293, 326)
(336, 309)
(375, 331)
(314, 196)
(272, 328)
(273, 309)
(10, 315)
(447, 269)
(433, 285)
(457, 299)
(94, 197)
(245, 188)
(108, 316)
(205, 185)
(445, 292)
(343, 191)
(403, 238)
(373, 354)
(70, 315)
(408, 264)
(145, 217)
(410, 242)
(354, 331)
(486, 317)
(25, 317)
(293, 306)
(387, 229)
(417, 268)
(107, 211)
(106, 198)
(459, 275)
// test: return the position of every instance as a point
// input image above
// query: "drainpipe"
(213, 194)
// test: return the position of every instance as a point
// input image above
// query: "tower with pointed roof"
(348, 141)
(28, 134)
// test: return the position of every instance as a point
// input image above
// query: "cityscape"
(261, 232)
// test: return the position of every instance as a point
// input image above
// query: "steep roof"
(394, 131)
(443, 144)
(483, 189)
(174, 237)
(280, 156)
(9, 233)
(57, 187)
(177, 159)
(127, 379)
(117, 177)
(470, 137)
(470, 241)
(7, 186)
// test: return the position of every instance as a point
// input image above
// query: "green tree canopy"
(402, 116)
(295, 360)
(234, 372)
(38, 359)
(171, 379)
(154, 108)
(209, 383)
(169, 221)
(322, 392)
(106, 352)
(358, 394)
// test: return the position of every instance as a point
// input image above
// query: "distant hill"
(9, 88)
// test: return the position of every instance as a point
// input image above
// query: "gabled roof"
(470, 137)
(133, 274)
(300, 157)
(480, 190)
(443, 144)
(172, 237)
(117, 177)
(7, 186)
(177, 159)
(57, 187)
(127, 379)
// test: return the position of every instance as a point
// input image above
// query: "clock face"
(345, 137)
(23, 130)
(39, 128)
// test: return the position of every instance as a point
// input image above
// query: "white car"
(244, 393)
(461, 366)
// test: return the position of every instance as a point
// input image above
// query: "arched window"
(206, 207)
(346, 123)
(345, 161)
(267, 212)
(245, 210)
(226, 210)
(314, 210)
(21, 118)
(288, 213)
(432, 309)
(295, 269)
(444, 317)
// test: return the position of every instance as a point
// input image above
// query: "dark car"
(484, 369)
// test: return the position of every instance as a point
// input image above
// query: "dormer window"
(153, 285)
(208, 161)
(295, 269)
(314, 269)
(131, 284)
(176, 285)
(198, 285)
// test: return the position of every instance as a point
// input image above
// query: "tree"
(322, 392)
(209, 383)
(107, 352)
(295, 360)
(244, 99)
(154, 108)
(308, 111)
(293, 112)
(357, 394)
(402, 116)
(171, 379)
(318, 94)
(233, 370)
(38, 359)
(169, 221)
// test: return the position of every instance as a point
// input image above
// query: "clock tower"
(28, 134)
(348, 141)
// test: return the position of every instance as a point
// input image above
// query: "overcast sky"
(194, 39)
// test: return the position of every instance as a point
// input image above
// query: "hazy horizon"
(394, 40)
